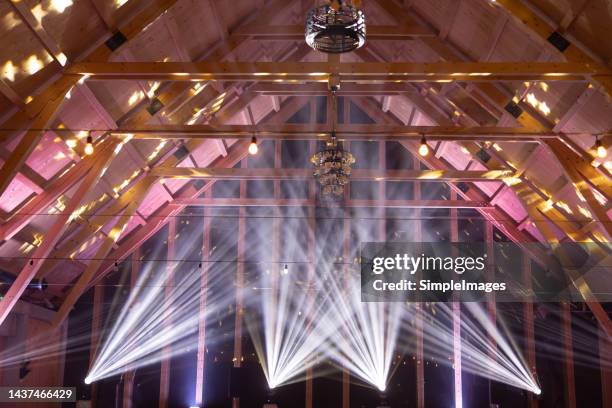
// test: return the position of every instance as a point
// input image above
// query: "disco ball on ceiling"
(335, 28)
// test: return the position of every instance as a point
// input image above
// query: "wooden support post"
(420, 373)
(529, 330)
(312, 195)
(456, 306)
(457, 354)
(128, 377)
(346, 251)
(201, 358)
(568, 354)
(240, 282)
(490, 274)
(96, 327)
(346, 378)
(605, 361)
(164, 377)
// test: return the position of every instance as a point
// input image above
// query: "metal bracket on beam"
(558, 41)
(116, 41)
(333, 83)
(513, 109)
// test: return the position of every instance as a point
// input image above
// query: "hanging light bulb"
(89, 149)
(285, 270)
(423, 148)
(600, 149)
(253, 149)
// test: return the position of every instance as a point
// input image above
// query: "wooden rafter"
(106, 246)
(536, 211)
(541, 27)
(93, 224)
(30, 138)
(236, 153)
(51, 238)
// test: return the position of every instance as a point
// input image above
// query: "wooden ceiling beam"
(96, 221)
(10, 94)
(56, 188)
(234, 155)
(290, 131)
(22, 9)
(52, 236)
(292, 202)
(306, 174)
(30, 139)
(53, 191)
(108, 242)
(22, 119)
(586, 178)
(167, 96)
(537, 208)
(575, 52)
(322, 89)
(347, 71)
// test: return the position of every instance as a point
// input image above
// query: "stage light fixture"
(423, 148)
(253, 148)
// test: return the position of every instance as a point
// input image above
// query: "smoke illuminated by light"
(160, 312)
(322, 318)
(367, 338)
(487, 348)
(296, 327)
(302, 307)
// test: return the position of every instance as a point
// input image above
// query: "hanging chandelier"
(336, 28)
(332, 168)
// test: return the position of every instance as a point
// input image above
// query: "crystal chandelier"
(336, 28)
(333, 164)
(332, 168)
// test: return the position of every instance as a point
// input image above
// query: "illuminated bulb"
(601, 150)
(253, 149)
(423, 149)
(87, 380)
(285, 270)
(89, 149)
(381, 387)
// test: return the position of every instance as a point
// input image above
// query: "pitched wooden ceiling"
(559, 180)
